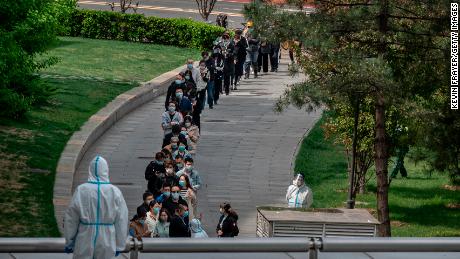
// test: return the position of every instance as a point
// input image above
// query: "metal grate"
(305, 229)
(349, 230)
(297, 229)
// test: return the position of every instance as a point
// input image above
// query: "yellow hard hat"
(250, 24)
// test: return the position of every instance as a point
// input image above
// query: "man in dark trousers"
(240, 53)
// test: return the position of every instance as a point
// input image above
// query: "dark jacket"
(253, 44)
(185, 106)
(172, 180)
(210, 66)
(265, 47)
(153, 174)
(229, 64)
(178, 227)
(171, 94)
(229, 225)
(143, 207)
(172, 206)
(218, 66)
(240, 49)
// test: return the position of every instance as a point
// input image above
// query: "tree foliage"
(387, 52)
(27, 28)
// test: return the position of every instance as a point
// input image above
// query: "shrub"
(138, 28)
(27, 29)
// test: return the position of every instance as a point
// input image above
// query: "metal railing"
(218, 245)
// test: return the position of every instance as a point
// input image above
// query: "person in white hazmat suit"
(96, 221)
(299, 195)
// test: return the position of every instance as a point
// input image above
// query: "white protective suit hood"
(98, 170)
(196, 229)
(96, 221)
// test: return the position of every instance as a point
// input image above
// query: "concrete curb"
(96, 125)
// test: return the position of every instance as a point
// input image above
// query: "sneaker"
(210, 107)
(235, 88)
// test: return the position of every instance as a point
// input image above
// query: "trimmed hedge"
(109, 25)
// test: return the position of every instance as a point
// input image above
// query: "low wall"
(96, 125)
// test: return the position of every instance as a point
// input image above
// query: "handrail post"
(134, 249)
(314, 246)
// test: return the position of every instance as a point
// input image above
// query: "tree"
(438, 127)
(27, 29)
(389, 52)
(205, 7)
(125, 5)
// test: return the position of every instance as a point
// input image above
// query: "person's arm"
(72, 221)
(121, 222)
(197, 181)
(180, 119)
(165, 123)
(289, 192)
(149, 175)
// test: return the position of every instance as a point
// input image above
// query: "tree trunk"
(381, 168)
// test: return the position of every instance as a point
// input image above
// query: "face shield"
(298, 180)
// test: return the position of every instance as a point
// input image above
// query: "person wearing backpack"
(227, 226)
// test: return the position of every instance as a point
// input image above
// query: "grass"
(419, 205)
(91, 73)
(116, 60)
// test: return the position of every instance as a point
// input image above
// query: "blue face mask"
(185, 214)
(187, 77)
(179, 95)
(156, 210)
(190, 66)
(167, 194)
(182, 183)
(180, 165)
(183, 133)
(142, 221)
(160, 162)
(178, 82)
(171, 108)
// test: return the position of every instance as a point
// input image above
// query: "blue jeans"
(251, 59)
(210, 93)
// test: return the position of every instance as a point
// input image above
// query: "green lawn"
(419, 205)
(90, 74)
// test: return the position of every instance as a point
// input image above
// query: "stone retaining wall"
(96, 125)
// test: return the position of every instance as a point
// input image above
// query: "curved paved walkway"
(244, 155)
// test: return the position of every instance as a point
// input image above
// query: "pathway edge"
(93, 128)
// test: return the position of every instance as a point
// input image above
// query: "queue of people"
(96, 222)
(170, 203)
